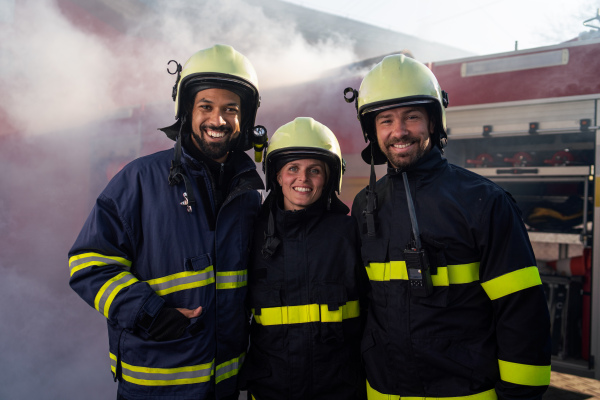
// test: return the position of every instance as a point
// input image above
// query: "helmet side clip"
(177, 71)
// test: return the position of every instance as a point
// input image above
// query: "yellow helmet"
(305, 138)
(220, 66)
(397, 81)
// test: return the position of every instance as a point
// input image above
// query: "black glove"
(169, 324)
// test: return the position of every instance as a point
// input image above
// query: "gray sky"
(483, 27)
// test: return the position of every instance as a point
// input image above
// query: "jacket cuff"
(149, 311)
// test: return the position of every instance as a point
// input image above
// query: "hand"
(190, 313)
(170, 323)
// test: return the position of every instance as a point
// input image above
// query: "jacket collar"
(426, 165)
(239, 161)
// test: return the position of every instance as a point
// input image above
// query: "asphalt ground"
(571, 387)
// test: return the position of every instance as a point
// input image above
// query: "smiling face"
(404, 134)
(302, 182)
(215, 122)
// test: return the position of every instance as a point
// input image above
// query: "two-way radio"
(417, 263)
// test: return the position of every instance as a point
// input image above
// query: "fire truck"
(528, 120)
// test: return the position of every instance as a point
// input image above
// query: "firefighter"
(457, 308)
(304, 275)
(163, 254)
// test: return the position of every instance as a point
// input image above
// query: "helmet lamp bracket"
(177, 71)
(354, 98)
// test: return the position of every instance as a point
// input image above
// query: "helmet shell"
(305, 138)
(398, 81)
(221, 66)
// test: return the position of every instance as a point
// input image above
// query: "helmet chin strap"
(370, 211)
(271, 241)
(176, 174)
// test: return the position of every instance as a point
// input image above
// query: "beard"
(214, 151)
(406, 161)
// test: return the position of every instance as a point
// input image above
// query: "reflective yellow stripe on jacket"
(145, 376)
(232, 279)
(85, 260)
(229, 368)
(111, 289)
(512, 282)
(193, 279)
(524, 374)
(462, 273)
(182, 281)
(373, 394)
(306, 313)
(449, 275)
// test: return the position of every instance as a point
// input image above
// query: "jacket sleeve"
(511, 280)
(100, 264)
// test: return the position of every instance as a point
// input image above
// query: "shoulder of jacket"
(460, 175)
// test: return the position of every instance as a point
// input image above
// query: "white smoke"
(56, 75)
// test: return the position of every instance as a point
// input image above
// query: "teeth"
(302, 189)
(215, 134)
(401, 146)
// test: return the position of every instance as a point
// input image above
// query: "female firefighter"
(305, 275)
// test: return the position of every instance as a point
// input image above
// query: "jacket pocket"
(482, 364)
(439, 297)
(255, 369)
(265, 295)
(114, 343)
(331, 297)
(375, 358)
(373, 250)
(267, 328)
(199, 263)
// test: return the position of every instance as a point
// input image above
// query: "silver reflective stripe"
(81, 261)
(182, 281)
(167, 376)
(110, 289)
(113, 362)
(229, 368)
(232, 279)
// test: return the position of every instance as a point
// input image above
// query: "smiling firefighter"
(457, 308)
(163, 254)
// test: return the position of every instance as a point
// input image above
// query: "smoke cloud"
(59, 75)
(78, 94)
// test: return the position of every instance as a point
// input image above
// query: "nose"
(216, 118)
(399, 129)
(303, 175)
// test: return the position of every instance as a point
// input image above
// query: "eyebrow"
(205, 100)
(387, 114)
(294, 163)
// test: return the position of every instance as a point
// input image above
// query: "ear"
(279, 177)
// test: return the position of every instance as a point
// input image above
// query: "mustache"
(221, 128)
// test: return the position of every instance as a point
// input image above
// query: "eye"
(414, 116)
(315, 171)
(293, 168)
